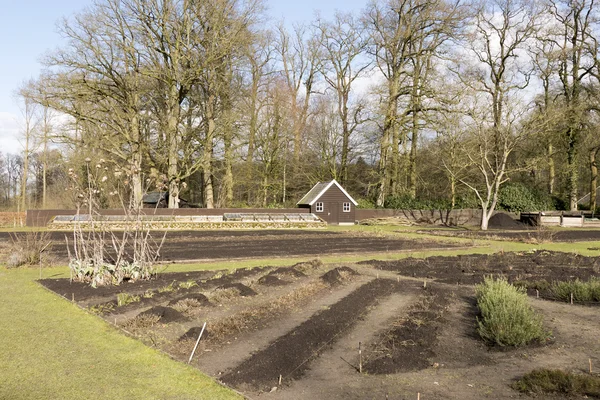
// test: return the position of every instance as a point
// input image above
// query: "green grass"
(507, 319)
(51, 349)
(541, 381)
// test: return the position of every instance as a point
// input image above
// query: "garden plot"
(294, 332)
(222, 244)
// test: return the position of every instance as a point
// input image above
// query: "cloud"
(9, 133)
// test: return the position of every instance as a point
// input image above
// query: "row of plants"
(577, 290)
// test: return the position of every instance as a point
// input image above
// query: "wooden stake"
(359, 358)
(537, 293)
(73, 297)
(280, 379)
(590, 361)
(197, 341)
(425, 284)
(571, 298)
(418, 396)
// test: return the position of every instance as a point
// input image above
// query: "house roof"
(319, 189)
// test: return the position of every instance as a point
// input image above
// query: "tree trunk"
(551, 170)
(593, 178)
(573, 173)
(173, 143)
(207, 155)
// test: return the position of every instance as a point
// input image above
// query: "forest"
(490, 104)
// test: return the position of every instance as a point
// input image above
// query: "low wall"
(439, 217)
(43, 217)
(10, 219)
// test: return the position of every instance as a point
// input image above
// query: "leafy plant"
(125, 298)
(167, 288)
(187, 284)
(507, 319)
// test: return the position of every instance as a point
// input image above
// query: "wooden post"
(571, 298)
(280, 377)
(197, 341)
(418, 396)
(590, 361)
(359, 358)
(537, 293)
(424, 283)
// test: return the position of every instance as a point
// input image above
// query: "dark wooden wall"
(333, 213)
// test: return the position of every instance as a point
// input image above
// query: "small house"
(330, 202)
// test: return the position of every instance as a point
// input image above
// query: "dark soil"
(291, 354)
(166, 314)
(209, 245)
(527, 234)
(199, 297)
(244, 290)
(272, 280)
(337, 275)
(83, 293)
(408, 345)
(470, 269)
(504, 221)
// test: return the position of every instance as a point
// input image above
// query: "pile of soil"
(338, 275)
(272, 280)
(193, 333)
(199, 297)
(244, 290)
(166, 314)
(505, 221)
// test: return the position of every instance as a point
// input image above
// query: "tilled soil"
(211, 245)
(471, 269)
(290, 357)
(416, 326)
(526, 234)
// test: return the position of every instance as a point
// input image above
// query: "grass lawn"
(51, 349)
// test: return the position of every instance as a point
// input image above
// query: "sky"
(28, 30)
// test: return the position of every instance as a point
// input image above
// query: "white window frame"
(319, 207)
(346, 207)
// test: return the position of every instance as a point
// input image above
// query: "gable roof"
(319, 189)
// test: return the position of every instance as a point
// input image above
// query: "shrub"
(582, 291)
(507, 319)
(29, 249)
(516, 197)
(556, 381)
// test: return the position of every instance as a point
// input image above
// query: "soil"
(526, 234)
(416, 326)
(470, 269)
(504, 221)
(212, 245)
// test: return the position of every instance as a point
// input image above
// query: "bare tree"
(502, 29)
(343, 43)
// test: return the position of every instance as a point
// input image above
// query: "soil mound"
(272, 280)
(193, 333)
(288, 271)
(504, 221)
(199, 297)
(166, 314)
(309, 266)
(244, 290)
(338, 275)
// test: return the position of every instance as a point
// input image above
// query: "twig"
(197, 341)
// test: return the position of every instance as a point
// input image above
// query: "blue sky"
(28, 30)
